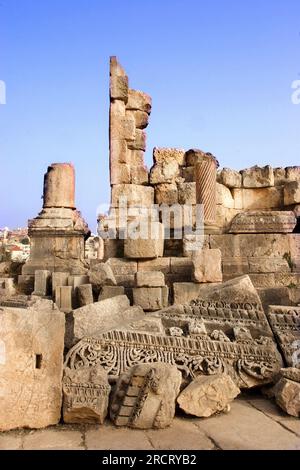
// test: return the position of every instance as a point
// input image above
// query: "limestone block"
(166, 193)
(287, 279)
(258, 199)
(64, 298)
(120, 174)
(235, 265)
(207, 266)
(181, 266)
(293, 173)
(187, 193)
(122, 128)
(139, 174)
(151, 247)
(224, 196)
(164, 155)
(239, 289)
(263, 222)
(125, 280)
(136, 157)
(96, 318)
(194, 156)
(122, 266)
(291, 373)
(230, 178)
(59, 279)
(138, 100)
(31, 365)
(150, 324)
(159, 264)
(252, 245)
(268, 265)
(166, 172)
(119, 87)
(136, 195)
(107, 292)
(258, 177)
(141, 118)
(85, 294)
(26, 284)
(188, 174)
(42, 282)
(263, 280)
(194, 242)
(287, 396)
(274, 295)
(115, 67)
(150, 279)
(59, 186)
(224, 217)
(75, 281)
(151, 299)
(208, 395)
(145, 396)
(86, 394)
(292, 193)
(279, 176)
(119, 152)
(184, 292)
(101, 274)
(139, 143)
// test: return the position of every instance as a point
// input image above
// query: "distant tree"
(25, 241)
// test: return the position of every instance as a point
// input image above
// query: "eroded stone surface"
(31, 362)
(287, 396)
(208, 395)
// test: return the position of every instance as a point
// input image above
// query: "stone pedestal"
(57, 234)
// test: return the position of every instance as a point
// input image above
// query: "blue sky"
(219, 73)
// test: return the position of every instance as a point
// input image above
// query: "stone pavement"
(253, 423)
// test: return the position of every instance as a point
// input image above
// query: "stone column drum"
(59, 186)
(206, 178)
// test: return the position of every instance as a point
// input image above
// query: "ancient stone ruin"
(192, 296)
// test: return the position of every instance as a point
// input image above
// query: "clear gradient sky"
(219, 73)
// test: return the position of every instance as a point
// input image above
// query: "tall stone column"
(206, 179)
(59, 186)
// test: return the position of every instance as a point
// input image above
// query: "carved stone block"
(86, 393)
(248, 365)
(285, 323)
(145, 397)
(264, 222)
